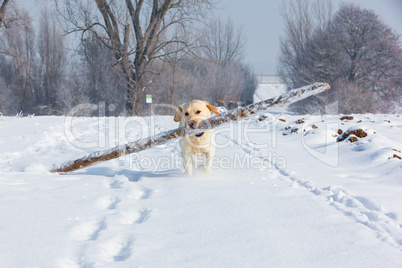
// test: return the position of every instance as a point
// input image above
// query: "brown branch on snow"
(168, 136)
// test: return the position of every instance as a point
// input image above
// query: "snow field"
(275, 200)
(267, 91)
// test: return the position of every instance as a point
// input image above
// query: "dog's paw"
(205, 169)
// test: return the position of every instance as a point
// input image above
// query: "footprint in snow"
(116, 184)
(107, 202)
(144, 216)
(125, 251)
(88, 230)
(146, 193)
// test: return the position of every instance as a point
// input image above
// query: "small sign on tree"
(148, 98)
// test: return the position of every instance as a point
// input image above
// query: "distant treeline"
(352, 49)
(41, 72)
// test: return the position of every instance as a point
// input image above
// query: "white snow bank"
(267, 91)
(272, 200)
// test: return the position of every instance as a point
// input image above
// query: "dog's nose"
(191, 124)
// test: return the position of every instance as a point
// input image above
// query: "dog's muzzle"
(192, 125)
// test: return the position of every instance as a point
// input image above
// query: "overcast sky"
(262, 25)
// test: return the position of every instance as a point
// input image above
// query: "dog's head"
(193, 112)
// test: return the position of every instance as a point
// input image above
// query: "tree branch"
(233, 115)
(3, 10)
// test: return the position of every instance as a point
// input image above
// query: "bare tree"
(104, 84)
(223, 43)
(369, 50)
(354, 98)
(52, 56)
(355, 52)
(227, 85)
(3, 9)
(216, 73)
(8, 99)
(301, 18)
(250, 85)
(174, 54)
(224, 84)
(18, 44)
(136, 32)
(74, 89)
(223, 49)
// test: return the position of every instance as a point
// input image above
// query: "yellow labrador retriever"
(190, 115)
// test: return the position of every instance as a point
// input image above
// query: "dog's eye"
(186, 114)
(198, 112)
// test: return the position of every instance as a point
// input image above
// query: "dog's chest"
(197, 145)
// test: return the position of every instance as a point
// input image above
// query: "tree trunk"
(137, 109)
(3, 9)
(134, 96)
(173, 85)
(138, 93)
(234, 115)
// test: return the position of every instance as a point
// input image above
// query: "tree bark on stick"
(168, 136)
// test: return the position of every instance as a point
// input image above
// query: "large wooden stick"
(162, 138)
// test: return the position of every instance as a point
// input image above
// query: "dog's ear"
(178, 114)
(212, 108)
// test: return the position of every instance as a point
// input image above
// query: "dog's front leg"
(188, 162)
(208, 163)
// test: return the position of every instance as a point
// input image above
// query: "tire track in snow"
(360, 209)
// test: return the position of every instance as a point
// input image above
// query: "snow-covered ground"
(281, 194)
(267, 91)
